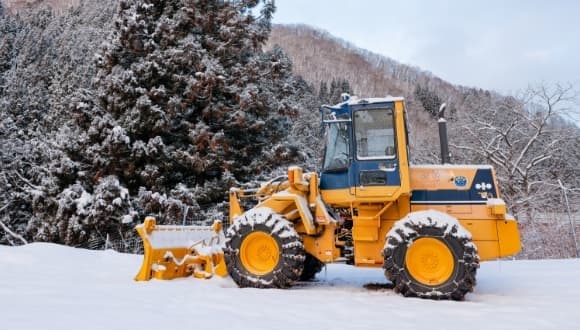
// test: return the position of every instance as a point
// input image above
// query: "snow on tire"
(449, 240)
(275, 261)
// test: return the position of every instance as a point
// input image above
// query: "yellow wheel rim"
(259, 253)
(429, 261)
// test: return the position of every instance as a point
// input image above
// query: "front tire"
(263, 250)
(428, 254)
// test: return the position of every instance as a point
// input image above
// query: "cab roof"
(355, 100)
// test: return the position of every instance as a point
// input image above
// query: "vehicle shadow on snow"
(341, 283)
(349, 278)
(379, 286)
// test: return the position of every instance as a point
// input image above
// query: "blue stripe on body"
(455, 196)
(340, 180)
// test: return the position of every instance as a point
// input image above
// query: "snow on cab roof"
(354, 100)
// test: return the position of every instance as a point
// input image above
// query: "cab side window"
(375, 134)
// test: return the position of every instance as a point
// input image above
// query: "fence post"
(107, 242)
(185, 214)
(573, 230)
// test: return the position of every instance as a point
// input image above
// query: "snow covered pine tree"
(185, 103)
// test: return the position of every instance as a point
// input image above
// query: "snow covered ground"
(47, 286)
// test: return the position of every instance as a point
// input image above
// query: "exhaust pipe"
(443, 140)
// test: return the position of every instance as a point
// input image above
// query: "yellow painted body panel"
(322, 246)
(376, 193)
(286, 203)
(435, 177)
(509, 243)
(479, 223)
(488, 234)
(340, 198)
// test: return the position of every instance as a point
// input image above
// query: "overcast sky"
(498, 45)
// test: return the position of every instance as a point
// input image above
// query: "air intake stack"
(443, 140)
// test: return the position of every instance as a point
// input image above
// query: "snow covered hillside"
(47, 286)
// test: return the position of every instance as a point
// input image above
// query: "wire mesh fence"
(549, 235)
(134, 243)
(543, 235)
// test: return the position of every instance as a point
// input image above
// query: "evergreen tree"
(345, 87)
(429, 100)
(42, 56)
(7, 32)
(185, 104)
(178, 92)
(323, 92)
(337, 88)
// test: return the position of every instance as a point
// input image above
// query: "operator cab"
(362, 153)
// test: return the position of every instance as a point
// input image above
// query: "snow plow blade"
(181, 251)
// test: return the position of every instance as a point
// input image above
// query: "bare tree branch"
(8, 231)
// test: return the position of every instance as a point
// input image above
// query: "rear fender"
(508, 236)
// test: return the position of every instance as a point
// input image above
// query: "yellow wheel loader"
(428, 226)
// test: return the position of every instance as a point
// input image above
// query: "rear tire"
(263, 250)
(428, 254)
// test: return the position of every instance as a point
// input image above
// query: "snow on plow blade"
(181, 251)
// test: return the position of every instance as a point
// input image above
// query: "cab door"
(375, 170)
(335, 178)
